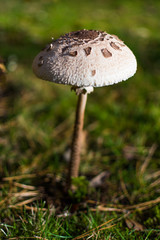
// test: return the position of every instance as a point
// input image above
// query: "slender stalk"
(77, 138)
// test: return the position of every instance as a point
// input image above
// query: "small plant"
(79, 188)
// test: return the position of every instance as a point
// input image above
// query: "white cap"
(85, 58)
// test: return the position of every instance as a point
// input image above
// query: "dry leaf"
(99, 179)
(132, 224)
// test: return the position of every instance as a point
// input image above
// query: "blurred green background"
(122, 121)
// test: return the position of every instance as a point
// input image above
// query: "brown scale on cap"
(113, 45)
(103, 34)
(81, 36)
(87, 50)
(93, 72)
(106, 53)
(120, 42)
(101, 39)
(73, 54)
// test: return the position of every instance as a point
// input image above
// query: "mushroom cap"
(85, 58)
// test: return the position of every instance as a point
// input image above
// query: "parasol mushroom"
(84, 59)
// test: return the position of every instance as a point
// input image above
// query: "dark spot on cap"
(73, 54)
(64, 49)
(106, 53)
(87, 50)
(41, 57)
(93, 72)
(101, 38)
(113, 45)
(40, 63)
(103, 34)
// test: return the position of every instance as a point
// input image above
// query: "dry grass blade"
(155, 183)
(124, 188)
(36, 209)
(23, 202)
(19, 177)
(98, 230)
(4, 200)
(61, 127)
(153, 175)
(94, 229)
(107, 209)
(35, 237)
(25, 194)
(3, 97)
(126, 209)
(144, 208)
(148, 158)
(24, 186)
(144, 204)
(104, 228)
(92, 201)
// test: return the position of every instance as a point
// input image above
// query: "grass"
(121, 124)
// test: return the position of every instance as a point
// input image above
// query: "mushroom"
(84, 59)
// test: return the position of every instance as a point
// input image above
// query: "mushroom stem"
(77, 138)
